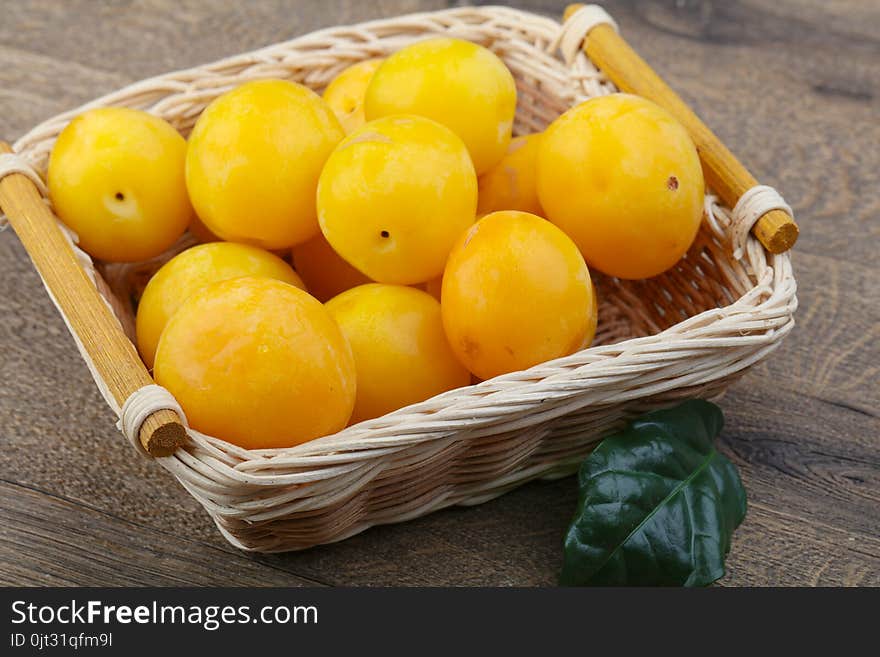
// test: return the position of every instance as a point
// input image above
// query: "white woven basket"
(687, 333)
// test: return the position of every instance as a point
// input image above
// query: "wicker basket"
(687, 333)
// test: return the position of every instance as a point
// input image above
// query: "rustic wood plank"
(827, 556)
(793, 88)
(51, 541)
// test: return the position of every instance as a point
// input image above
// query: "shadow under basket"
(687, 333)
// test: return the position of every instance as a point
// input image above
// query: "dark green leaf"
(658, 504)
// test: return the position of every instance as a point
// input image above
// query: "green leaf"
(658, 504)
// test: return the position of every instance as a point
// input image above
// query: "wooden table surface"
(793, 87)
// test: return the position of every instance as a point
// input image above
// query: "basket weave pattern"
(687, 333)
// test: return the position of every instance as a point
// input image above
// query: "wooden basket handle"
(776, 230)
(112, 353)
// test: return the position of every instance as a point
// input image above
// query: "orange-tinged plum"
(324, 271)
(516, 292)
(434, 286)
(510, 184)
(400, 350)
(258, 363)
(200, 231)
(192, 270)
(345, 93)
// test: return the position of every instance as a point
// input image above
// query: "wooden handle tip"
(162, 433)
(777, 232)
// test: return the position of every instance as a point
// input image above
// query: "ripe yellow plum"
(253, 162)
(623, 179)
(394, 197)
(457, 83)
(116, 177)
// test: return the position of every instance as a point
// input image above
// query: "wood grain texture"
(792, 87)
(73, 544)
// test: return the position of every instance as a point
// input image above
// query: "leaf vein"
(675, 491)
